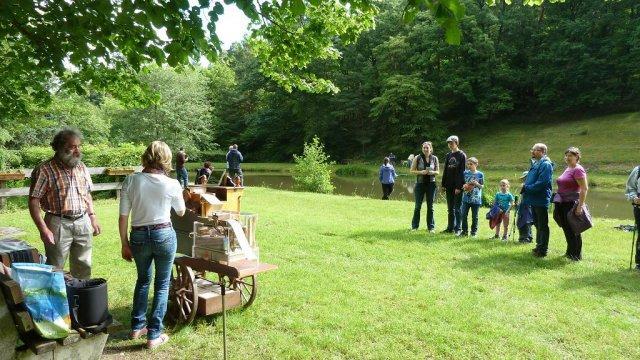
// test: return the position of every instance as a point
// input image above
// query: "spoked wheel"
(183, 294)
(247, 286)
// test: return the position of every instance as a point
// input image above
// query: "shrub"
(312, 170)
(93, 155)
(354, 170)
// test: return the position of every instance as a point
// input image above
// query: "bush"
(354, 170)
(312, 170)
(92, 155)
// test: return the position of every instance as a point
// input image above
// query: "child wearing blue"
(471, 196)
(505, 200)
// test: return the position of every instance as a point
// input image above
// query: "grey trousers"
(73, 239)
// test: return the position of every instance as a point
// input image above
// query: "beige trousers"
(73, 239)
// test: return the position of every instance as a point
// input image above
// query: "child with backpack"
(504, 199)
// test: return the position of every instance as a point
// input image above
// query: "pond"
(607, 204)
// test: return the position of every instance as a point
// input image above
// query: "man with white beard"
(62, 187)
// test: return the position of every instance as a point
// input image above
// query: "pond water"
(607, 204)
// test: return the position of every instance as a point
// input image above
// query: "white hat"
(453, 138)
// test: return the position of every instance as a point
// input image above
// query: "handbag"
(88, 304)
(582, 223)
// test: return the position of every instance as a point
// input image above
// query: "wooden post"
(3, 200)
(118, 179)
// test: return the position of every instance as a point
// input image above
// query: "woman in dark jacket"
(425, 166)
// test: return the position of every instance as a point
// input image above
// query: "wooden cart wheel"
(248, 288)
(183, 294)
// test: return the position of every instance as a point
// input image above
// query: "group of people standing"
(463, 183)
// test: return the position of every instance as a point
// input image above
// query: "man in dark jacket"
(452, 181)
(537, 194)
(234, 158)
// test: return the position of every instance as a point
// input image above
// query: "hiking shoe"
(538, 253)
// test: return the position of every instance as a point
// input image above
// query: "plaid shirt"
(61, 190)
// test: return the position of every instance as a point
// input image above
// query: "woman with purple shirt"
(572, 189)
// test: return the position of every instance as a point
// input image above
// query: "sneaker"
(496, 236)
(432, 231)
(413, 229)
(447, 231)
(460, 233)
(505, 238)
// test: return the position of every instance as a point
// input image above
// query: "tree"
(181, 116)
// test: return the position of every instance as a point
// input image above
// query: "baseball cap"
(452, 138)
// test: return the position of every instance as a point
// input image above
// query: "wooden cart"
(201, 286)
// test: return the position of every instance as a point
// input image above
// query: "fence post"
(3, 200)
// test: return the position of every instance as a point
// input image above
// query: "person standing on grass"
(387, 177)
(505, 200)
(425, 166)
(234, 158)
(181, 171)
(472, 196)
(524, 218)
(452, 181)
(149, 197)
(62, 188)
(572, 190)
(537, 194)
(632, 193)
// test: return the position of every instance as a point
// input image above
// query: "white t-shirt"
(150, 197)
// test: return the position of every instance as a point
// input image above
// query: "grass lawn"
(353, 283)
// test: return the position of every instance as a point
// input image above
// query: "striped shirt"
(61, 190)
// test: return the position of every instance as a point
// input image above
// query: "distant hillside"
(609, 144)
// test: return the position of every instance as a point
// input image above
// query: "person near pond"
(181, 170)
(203, 174)
(471, 196)
(410, 161)
(387, 175)
(149, 196)
(392, 159)
(524, 218)
(536, 192)
(632, 193)
(234, 158)
(61, 187)
(452, 181)
(570, 196)
(425, 166)
(505, 201)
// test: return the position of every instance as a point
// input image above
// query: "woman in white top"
(149, 197)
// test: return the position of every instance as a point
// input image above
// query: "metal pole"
(633, 245)
(224, 320)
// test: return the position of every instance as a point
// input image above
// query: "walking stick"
(515, 216)
(633, 245)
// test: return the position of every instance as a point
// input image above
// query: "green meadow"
(354, 283)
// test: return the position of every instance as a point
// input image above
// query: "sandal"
(152, 344)
(136, 334)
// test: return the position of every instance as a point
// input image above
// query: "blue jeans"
(453, 209)
(464, 209)
(183, 177)
(541, 222)
(159, 247)
(420, 191)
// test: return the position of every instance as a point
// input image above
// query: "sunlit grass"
(353, 283)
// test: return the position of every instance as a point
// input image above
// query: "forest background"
(399, 84)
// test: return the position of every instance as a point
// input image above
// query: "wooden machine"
(217, 263)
